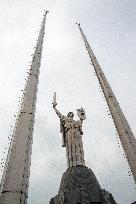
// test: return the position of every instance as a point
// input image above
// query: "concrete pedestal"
(80, 186)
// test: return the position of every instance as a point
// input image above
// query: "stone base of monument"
(79, 185)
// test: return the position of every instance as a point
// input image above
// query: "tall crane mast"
(15, 179)
(127, 139)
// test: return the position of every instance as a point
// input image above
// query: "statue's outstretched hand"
(54, 105)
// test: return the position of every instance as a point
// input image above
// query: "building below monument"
(79, 185)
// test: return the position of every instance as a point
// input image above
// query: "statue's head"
(70, 115)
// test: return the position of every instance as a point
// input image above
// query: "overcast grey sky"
(110, 26)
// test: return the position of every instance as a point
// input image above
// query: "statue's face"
(70, 115)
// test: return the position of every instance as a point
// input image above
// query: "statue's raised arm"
(58, 113)
(62, 121)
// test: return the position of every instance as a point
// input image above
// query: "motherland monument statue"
(72, 135)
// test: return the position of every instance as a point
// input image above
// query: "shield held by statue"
(81, 113)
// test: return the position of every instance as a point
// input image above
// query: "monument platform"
(79, 185)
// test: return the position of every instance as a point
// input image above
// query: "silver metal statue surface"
(72, 135)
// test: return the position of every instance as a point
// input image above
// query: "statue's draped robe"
(72, 140)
